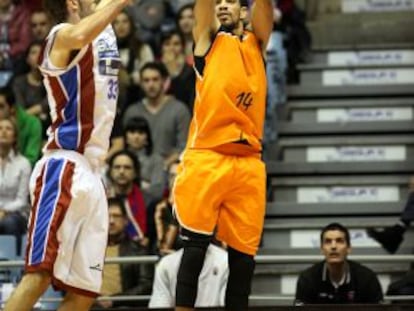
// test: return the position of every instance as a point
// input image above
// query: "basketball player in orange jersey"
(220, 187)
(68, 227)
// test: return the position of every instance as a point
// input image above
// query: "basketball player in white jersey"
(68, 223)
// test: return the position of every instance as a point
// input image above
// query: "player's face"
(334, 247)
(186, 21)
(136, 140)
(230, 13)
(122, 171)
(117, 221)
(7, 133)
(152, 83)
(122, 26)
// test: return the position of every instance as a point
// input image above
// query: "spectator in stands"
(129, 278)
(391, 237)
(167, 117)
(14, 182)
(40, 25)
(182, 75)
(30, 128)
(33, 5)
(403, 286)
(124, 181)
(134, 54)
(337, 280)
(276, 66)
(138, 140)
(176, 5)
(14, 32)
(212, 282)
(165, 223)
(151, 19)
(185, 24)
(297, 38)
(29, 90)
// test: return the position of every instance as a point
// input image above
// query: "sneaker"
(390, 238)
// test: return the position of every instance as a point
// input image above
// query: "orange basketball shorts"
(222, 193)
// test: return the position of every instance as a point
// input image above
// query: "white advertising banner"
(364, 114)
(348, 194)
(367, 77)
(356, 154)
(379, 57)
(356, 6)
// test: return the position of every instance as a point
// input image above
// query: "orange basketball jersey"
(230, 93)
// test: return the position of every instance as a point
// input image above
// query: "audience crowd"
(156, 93)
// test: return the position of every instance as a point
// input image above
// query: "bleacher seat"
(7, 252)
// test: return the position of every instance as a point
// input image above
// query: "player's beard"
(229, 27)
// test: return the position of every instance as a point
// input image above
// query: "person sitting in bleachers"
(29, 138)
(212, 282)
(167, 117)
(182, 74)
(138, 140)
(123, 279)
(15, 172)
(123, 178)
(185, 24)
(151, 18)
(166, 225)
(40, 25)
(29, 90)
(391, 237)
(337, 280)
(134, 55)
(15, 33)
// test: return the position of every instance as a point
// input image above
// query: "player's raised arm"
(205, 18)
(76, 36)
(262, 20)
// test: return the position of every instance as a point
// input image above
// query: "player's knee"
(76, 301)
(239, 284)
(195, 246)
(40, 280)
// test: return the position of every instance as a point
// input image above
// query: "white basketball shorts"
(68, 225)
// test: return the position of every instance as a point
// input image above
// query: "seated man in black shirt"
(337, 280)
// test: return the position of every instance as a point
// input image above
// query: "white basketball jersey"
(82, 97)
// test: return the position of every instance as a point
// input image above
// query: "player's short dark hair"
(336, 226)
(56, 9)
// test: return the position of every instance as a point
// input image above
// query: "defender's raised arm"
(75, 36)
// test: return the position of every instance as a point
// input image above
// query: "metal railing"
(260, 259)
